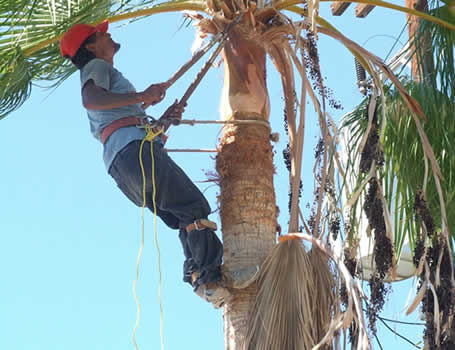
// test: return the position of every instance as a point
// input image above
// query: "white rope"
(192, 122)
(246, 122)
(190, 150)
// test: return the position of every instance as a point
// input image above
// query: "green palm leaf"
(26, 24)
(404, 168)
(442, 43)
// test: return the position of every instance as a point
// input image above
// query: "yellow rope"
(150, 136)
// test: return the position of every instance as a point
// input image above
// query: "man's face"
(103, 46)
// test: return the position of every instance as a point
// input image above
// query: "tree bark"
(245, 168)
(421, 61)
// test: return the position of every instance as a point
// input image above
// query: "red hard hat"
(76, 35)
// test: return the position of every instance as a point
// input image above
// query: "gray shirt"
(105, 76)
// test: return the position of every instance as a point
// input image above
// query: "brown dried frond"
(323, 279)
(275, 35)
(282, 316)
(265, 14)
(212, 176)
(206, 26)
(353, 313)
(293, 309)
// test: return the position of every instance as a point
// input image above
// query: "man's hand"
(174, 112)
(96, 98)
(153, 94)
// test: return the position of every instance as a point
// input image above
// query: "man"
(115, 110)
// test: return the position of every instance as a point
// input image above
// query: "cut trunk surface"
(245, 168)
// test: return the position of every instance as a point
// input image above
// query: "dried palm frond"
(296, 306)
(313, 13)
(290, 5)
(282, 317)
(283, 63)
(323, 303)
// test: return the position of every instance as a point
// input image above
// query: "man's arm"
(94, 97)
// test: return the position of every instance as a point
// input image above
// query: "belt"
(122, 123)
(117, 124)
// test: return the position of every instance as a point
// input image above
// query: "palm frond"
(26, 24)
(286, 4)
(440, 42)
(405, 171)
(270, 327)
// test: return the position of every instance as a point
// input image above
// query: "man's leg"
(178, 201)
(177, 194)
(177, 198)
(204, 252)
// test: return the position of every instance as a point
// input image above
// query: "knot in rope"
(151, 133)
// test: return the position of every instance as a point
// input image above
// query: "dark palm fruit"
(372, 149)
(334, 227)
(444, 290)
(383, 252)
(314, 71)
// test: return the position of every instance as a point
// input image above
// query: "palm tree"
(245, 158)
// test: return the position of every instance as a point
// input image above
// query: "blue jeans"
(179, 203)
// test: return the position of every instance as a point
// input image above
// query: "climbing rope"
(234, 122)
(150, 136)
(273, 136)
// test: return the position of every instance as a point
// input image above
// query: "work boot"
(240, 279)
(204, 253)
(217, 293)
(189, 268)
(214, 293)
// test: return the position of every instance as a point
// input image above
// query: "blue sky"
(69, 238)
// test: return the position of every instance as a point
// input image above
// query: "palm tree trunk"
(421, 62)
(245, 168)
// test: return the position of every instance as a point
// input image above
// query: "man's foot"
(240, 279)
(217, 293)
(214, 294)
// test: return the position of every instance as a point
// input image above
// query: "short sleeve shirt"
(105, 76)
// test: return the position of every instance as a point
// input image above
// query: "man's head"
(83, 42)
